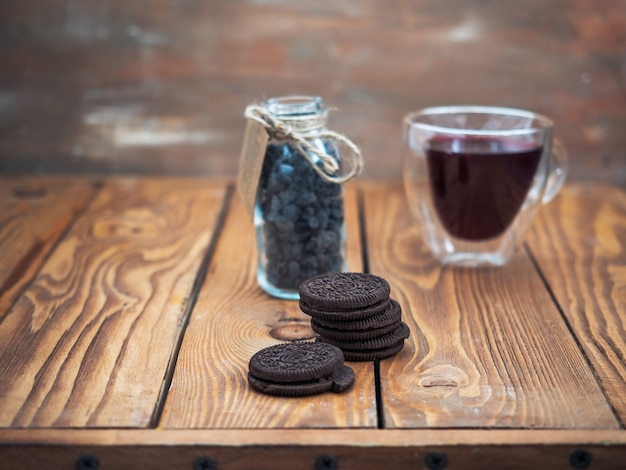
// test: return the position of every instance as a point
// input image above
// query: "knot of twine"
(282, 131)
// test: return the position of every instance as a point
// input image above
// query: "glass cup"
(475, 177)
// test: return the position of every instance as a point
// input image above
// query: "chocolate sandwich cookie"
(381, 342)
(337, 382)
(342, 379)
(299, 369)
(341, 291)
(392, 314)
(373, 354)
(352, 335)
(345, 314)
(290, 389)
(295, 362)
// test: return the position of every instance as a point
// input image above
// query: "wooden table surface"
(115, 86)
(129, 309)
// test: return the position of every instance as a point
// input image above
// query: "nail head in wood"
(436, 461)
(326, 462)
(87, 462)
(204, 463)
(580, 459)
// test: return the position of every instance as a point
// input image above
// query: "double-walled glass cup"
(475, 177)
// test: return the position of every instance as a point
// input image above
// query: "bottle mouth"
(292, 106)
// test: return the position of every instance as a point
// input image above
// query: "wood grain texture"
(290, 449)
(314, 437)
(579, 244)
(298, 448)
(232, 320)
(290, 457)
(34, 211)
(88, 343)
(488, 347)
(113, 86)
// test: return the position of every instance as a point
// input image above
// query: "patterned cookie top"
(295, 362)
(344, 291)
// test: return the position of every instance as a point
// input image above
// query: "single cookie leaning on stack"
(354, 312)
(299, 369)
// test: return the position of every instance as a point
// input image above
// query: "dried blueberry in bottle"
(299, 216)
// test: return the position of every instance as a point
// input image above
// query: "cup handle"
(558, 171)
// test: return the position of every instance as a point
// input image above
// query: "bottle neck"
(306, 124)
(304, 114)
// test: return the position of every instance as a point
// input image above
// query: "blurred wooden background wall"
(159, 86)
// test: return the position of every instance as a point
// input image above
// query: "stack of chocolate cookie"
(299, 369)
(354, 312)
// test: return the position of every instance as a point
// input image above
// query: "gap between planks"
(232, 319)
(193, 298)
(394, 250)
(572, 332)
(378, 391)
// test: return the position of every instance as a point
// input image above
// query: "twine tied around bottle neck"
(281, 130)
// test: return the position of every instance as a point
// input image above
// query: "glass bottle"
(299, 217)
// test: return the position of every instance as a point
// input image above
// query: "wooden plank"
(158, 67)
(34, 211)
(88, 344)
(363, 437)
(288, 457)
(579, 243)
(488, 347)
(288, 449)
(233, 319)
